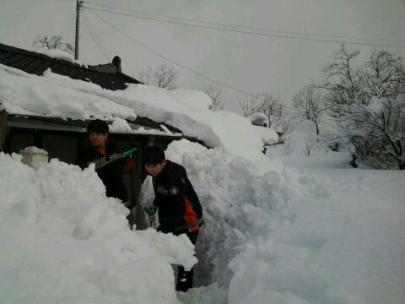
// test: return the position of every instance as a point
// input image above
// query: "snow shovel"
(102, 162)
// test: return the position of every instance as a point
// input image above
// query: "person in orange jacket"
(178, 205)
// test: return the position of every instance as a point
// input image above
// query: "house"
(62, 138)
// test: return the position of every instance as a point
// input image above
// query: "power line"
(189, 69)
(95, 37)
(242, 27)
(247, 32)
(201, 75)
(71, 25)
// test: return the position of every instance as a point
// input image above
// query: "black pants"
(185, 278)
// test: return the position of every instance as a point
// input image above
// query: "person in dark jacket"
(178, 206)
(99, 150)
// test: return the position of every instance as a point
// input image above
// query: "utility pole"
(78, 6)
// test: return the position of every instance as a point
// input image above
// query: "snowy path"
(348, 248)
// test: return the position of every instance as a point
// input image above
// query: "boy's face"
(155, 169)
(98, 140)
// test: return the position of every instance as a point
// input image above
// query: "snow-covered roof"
(63, 64)
(140, 126)
(53, 95)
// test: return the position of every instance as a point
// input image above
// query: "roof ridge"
(111, 81)
(38, 55)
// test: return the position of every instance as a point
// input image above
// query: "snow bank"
(240, 210)
(258, 119)
(269, 136)
(63, 241)
(292, 238)
(59, 96)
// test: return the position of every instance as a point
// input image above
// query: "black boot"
(184, 279)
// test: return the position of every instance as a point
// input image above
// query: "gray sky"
(252, 63)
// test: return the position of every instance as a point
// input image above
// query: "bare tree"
(309, 145)
(368, 106)
(377, 132)
(311, 106)
(216, 95)
(382, 75)
(162, 77)
(279, 118)
(343, 86)
(53, 42)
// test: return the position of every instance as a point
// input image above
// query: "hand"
(150, 210)
(129, 163)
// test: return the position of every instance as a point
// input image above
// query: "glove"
(150, 210)
(129, 163)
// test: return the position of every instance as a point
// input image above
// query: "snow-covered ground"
(321, 232)
(312, 231)
(326, 233)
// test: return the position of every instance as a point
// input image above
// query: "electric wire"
(95, 33)
(199, 74)
(71, 25)
(187, 68)
(249, 32)
(99, 45)
(243, 27)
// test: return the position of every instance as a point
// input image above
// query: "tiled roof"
(35, 63)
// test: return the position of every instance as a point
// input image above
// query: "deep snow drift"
(328, 236)
(63, 241)
(276, 238)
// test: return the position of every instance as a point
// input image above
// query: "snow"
(33, 150)
(332, 235)
(269, 136)
(64, 241)
(258, 119)
(59, 54)
(281, 228)
(120, 125)
(59, 96)
(375, 105)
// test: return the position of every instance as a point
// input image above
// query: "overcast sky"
(252, 63)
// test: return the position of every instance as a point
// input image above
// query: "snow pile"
(59, 96)
(269, 136)
(120, 125)
(64, 241)
(277, 238)
(33, 150)
(258, 119)
(241, 209)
